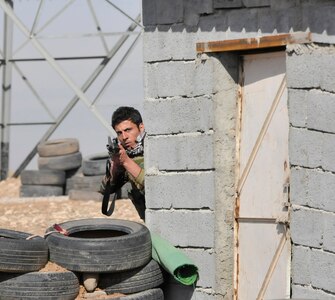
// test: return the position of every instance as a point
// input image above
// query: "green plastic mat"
(173, 260)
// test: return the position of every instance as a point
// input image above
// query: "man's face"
(127, 132)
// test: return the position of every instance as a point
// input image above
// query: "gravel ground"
(35, 215)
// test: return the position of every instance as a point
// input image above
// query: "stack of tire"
(22, 255)
(85, 184)
(116, 255)
(58, 160)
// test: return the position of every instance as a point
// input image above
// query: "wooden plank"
(254, 43)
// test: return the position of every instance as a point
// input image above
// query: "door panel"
(263, 178)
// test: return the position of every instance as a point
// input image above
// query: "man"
(128, 164)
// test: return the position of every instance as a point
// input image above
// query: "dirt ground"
(35, 215)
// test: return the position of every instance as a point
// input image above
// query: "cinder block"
(312, 109)
(301, 265)
(307, 227)
(307, 292)
(322, 270)
(305, 147)
(320, 189)
(298, 186)
(179, 115)
(168, 79)
(327, 80)
(321, 110)
(179, 152)
(164, 45)
(312, 149)
(313, 267)
(180, 190)
(310, 67)
(329, 233)
(313, 228)
(328, 152)
(297, 107)
(183, 228)
(313, 188)
(205, 261)
(302, 69)
(176, 43)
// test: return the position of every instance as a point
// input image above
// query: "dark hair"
(124, 113)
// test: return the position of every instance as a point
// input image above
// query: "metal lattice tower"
(53, 35)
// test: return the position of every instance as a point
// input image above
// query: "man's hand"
(132, 167)
(115, 166)
(123, 156)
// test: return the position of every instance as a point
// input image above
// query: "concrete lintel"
(269, 41)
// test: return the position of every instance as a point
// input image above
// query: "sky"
(63, 37)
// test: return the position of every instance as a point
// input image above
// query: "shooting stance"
(126, 162)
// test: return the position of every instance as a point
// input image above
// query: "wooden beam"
(268, 41)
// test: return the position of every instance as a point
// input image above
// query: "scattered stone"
(90, 281)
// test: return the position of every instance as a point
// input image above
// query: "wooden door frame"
(268, 43)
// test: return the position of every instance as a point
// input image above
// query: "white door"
(262, 240)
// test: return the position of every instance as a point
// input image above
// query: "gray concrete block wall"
(180, 152)
(312, 109)
(184, 228)
(190, 104)
(187, 78)
(312, 143)
(317, 232)
(181, 190)
(313, 188)
(312, 149)
(180, 163)
(313, 267)
(307, 292)
(179, 115)
(180, 177)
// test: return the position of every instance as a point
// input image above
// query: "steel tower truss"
(33, 34)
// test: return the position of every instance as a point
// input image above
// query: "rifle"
(113, 151)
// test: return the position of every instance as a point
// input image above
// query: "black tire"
(58, 147)
(95, 164)
(153, 294)
(132, 281)
(19, 255)
(100, 245)
(43, 177)
(61, 162)
(41, 190)
(84, 183)
(40, 285)
(72, 172)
